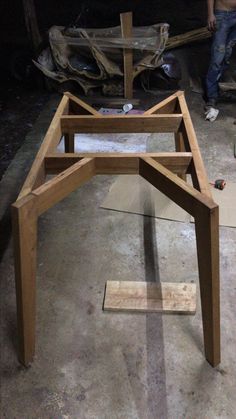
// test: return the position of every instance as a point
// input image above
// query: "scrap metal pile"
(94, 57)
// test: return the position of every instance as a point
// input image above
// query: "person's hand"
(211, 23)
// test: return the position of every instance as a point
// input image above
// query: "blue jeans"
(223, 41)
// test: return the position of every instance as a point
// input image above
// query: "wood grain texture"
(199, 175)
(24, 223)
(63, 184)
(207, 235)
(121, 124)
(126, 21)
(188, 37)
(179, 298)
(36, 176)
(157, 168)
(183, 194)
(118, 163)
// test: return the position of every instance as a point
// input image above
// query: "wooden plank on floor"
(147, 297)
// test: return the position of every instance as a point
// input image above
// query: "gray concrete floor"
(90, 364)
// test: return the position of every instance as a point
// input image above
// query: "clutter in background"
(94, 57)
(127, 109)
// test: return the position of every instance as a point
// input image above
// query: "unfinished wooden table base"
(166, 171)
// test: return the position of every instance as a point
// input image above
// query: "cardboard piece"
(132, 193)
(226, 200)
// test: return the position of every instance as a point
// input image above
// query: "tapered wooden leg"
(179, 147)
(24, 222)
(69, 143)
(207, 234)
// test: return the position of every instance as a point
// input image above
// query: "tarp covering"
(94, 57)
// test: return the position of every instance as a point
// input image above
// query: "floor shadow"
(156, 377)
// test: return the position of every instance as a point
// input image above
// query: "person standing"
(222, 23)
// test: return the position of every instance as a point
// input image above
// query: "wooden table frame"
(166, 171)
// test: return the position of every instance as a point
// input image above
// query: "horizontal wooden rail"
(118, 163)
(121, 124)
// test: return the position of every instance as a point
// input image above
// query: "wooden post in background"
(126, 20)
(31, 23)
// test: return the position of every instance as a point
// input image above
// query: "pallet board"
(166, 297)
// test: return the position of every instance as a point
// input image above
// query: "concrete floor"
(95, 365)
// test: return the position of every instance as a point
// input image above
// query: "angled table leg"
(24, 222)
(207, 235)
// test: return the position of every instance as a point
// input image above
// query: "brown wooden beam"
(24, 224)
(175, 188)
(199, 175)
(63, 184)
(36, 175)
(121, 124)
(118, 163)
(126, 20)
(207, 235)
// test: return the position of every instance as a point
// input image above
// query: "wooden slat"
(175, 188)
(118, 163)
(188, 37)
(36, 175)
(121, 124)
(63, 184)
(126, 21)
(179, 298)
(199, 175)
